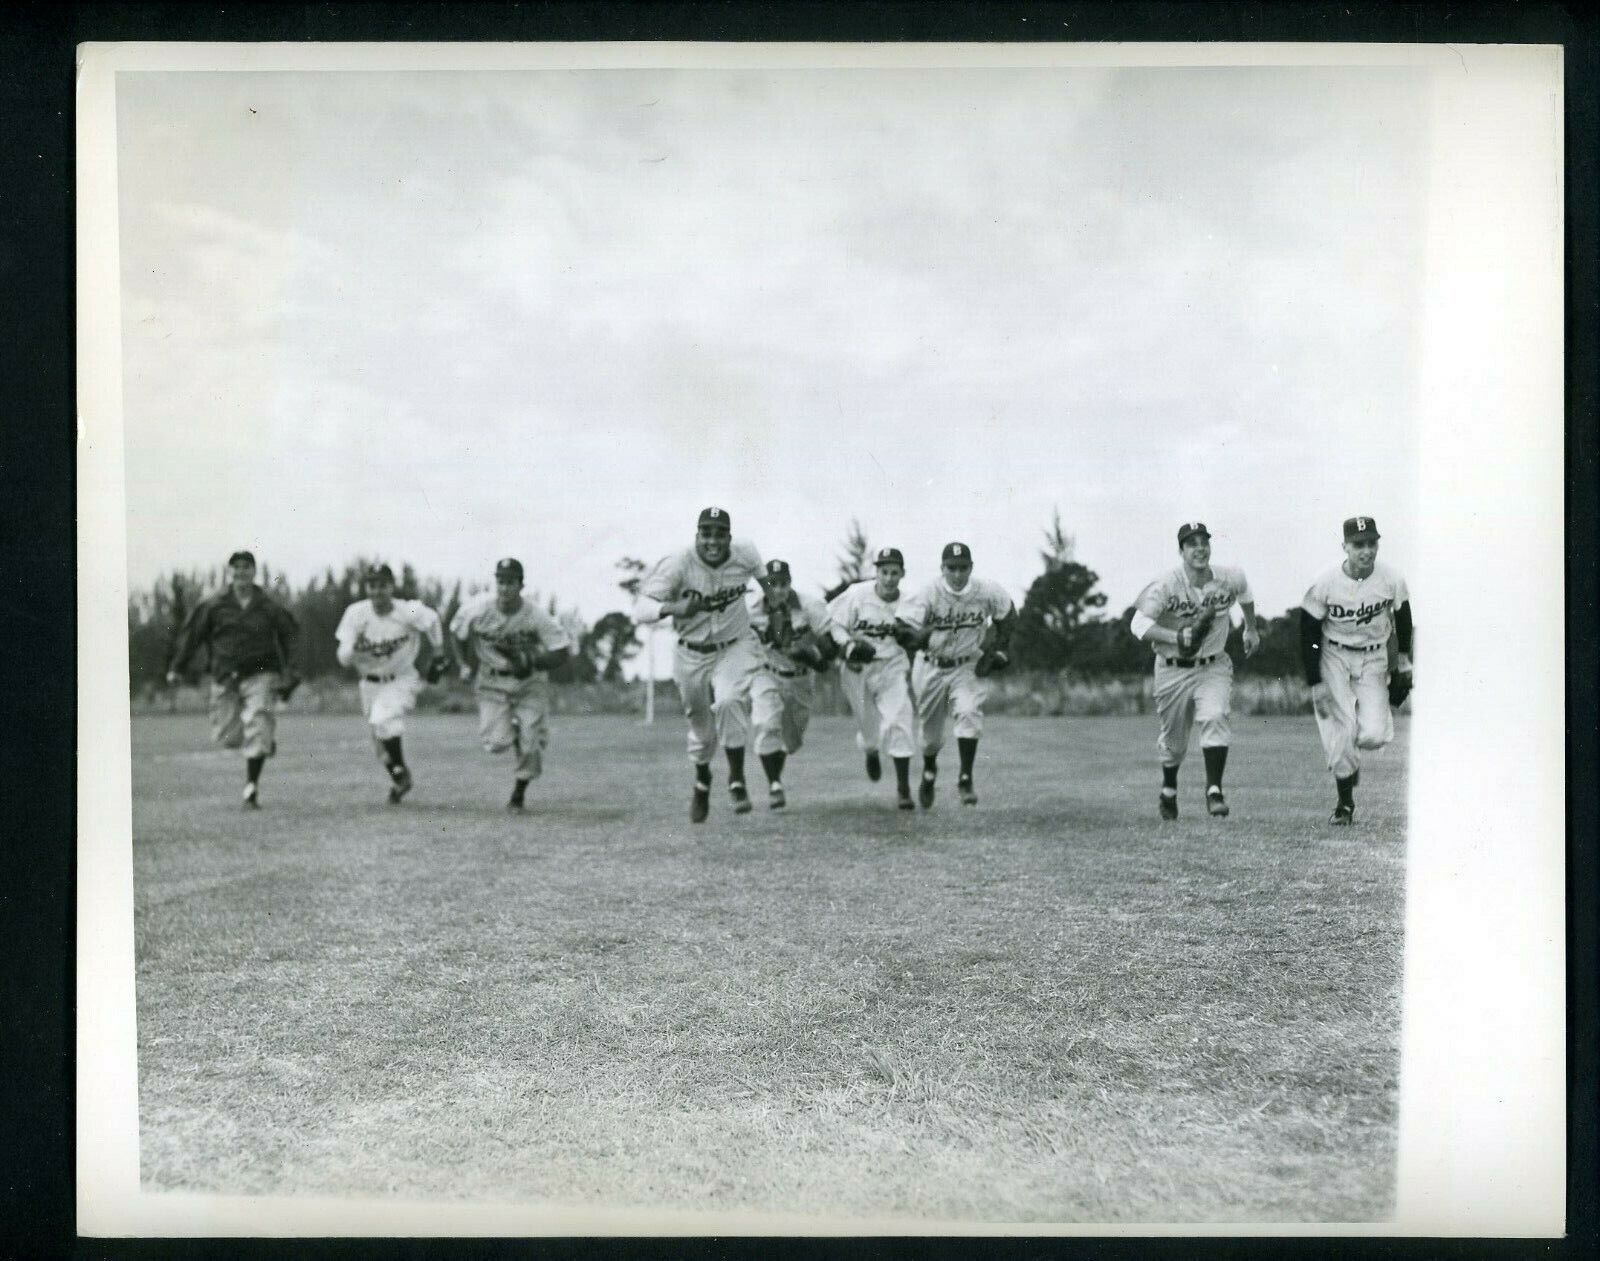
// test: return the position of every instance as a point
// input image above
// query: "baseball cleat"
(903, 800)
(967, 793)
(775, 798)
(700, 803)
(1169, 805)
(925, 791)
(741, 798)
(250, 801)
(1216, 804)
(874, 766)
(1343, 814)
(401, 785)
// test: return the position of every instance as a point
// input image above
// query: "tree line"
(1061, 627)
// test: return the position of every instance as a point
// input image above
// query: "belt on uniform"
(501, 674)
(708, 647)
(950, 663)
(1359, 647)
(786, 674)
(381, 678)
(1186, 662)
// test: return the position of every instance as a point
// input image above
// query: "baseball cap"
(242, 558)
(380, 573)
(889, 556)
(715, 516)
(1190, 528)
(956, 551)
(1360, 528)
(775, 569)
(510, 567)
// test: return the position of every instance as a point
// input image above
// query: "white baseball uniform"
(382, 647)
(718, 654)
(943, 679)
(1198, 688)
(880, 691)
(512, 713)
(1357, 617)
(782, 690)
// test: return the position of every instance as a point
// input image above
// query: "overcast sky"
(449, 317)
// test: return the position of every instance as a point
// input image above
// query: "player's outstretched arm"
(1252, 633)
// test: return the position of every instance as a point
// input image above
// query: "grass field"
(1053, 1007)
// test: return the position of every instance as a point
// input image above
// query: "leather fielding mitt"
(1399, 688)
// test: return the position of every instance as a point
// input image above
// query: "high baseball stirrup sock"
(252, 768)
(1169, 777)
(772, 766)
(702, 773)
(930, 765)
(967, 749)
(902, 774)
(519, 788)
(1216, 758)
(1346, 788)
(735, 765)
(394, 758)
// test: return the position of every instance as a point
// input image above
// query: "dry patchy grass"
(1053, 1007)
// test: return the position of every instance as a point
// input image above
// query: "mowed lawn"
(1053, 1007)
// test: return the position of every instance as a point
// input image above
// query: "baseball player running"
(876, 678)
(948, 621)
(1346, 620)
(796, 636)
(379, 638)
(251, 641)
(702, 589)
(507, 645)
(1184, 616)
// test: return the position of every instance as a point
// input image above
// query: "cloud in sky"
(447, 317)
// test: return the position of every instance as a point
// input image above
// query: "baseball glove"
(1399, 689)
(992, 661)
(859, 653)
(519, 661)
(288, 681)
(1190, 637)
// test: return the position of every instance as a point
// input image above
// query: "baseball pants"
(243, 714)
(880, 698)
(1358, 703)
(1190, 695)
(780, 710)
(715, 687)
(953, 692)
(514, 717)
(385, 705)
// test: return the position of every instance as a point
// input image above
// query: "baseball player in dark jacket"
(251, 641)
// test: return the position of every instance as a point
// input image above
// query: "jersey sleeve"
(661, 583)
(744, 551)
(1000, 602)
(1401, 594)
(1152, 601)
(913, 610)
(1315, 601)
(552, 633)
(1241, 587)
(817, 616)
(461, 627)
(426, 620)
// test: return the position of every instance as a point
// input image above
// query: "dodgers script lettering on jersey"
(386, 643)
(1356, 612)
(723, 613)
(778, 629)
(1173, 601)
(956, 619)
(529, 629)
(860, 610)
